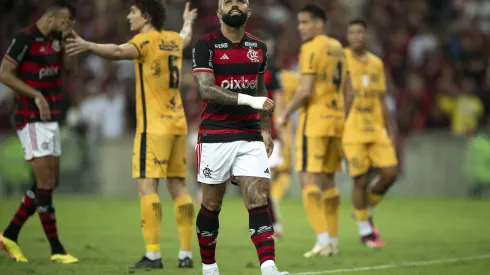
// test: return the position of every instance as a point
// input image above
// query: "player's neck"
(360, 53)
(43, 27)
(147, 28)
(233, 34)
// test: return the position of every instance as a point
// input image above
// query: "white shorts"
(276, 158)
(40, 139)
(217, 162)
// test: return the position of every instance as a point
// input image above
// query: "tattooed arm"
(208, 89)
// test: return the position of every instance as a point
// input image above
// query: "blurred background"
(436, 54)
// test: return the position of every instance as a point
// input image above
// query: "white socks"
(364, 228)
(185, 254)
(153, 255)
(322, 239)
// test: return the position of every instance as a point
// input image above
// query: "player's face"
(356, 36)
(62, 20)
(136, 19)
(234, 13)
(306, 26)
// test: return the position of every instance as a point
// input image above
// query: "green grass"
(105, 235)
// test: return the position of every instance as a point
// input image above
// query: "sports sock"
(184, 214)
(261, 233)
(151, 218)
(374, 199)
(26, 209)
(280, 185)
(363, 224)
(46, 212)
(331, 201)
(207, 227)
(314, 208)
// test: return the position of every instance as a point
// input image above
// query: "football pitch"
(423, 236)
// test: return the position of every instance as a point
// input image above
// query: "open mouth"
(235, 12)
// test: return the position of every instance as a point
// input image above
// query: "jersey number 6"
(174, 72)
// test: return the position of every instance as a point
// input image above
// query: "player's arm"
(307, 63)
(8, 69)
(127, 51)
(265, 121)
(388, 120)
(348, 94)
(189, 18)
(206, 83)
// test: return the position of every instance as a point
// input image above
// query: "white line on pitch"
(406, 264)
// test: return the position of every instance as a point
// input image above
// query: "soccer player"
(281, 177)
(234, 137)
(369, 134)
(160, 141)
(320, 126)
(33, 67)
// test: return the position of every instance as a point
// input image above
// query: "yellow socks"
(280, 185)
(374, 199)
(151, 217)
(331, 202)
(184, 214)
(314, 208)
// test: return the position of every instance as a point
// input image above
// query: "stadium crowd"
(434, 51)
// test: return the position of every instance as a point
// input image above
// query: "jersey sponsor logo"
(221, 46)
(251, 44)
(156, 69)
(171, 46)
(253, 56)
(242, 83)
(56, 46)
(224, 57)
(48, 71)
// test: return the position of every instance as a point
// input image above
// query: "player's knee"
(176, 187)
(210, 204)
(361, 182)
(147, 187)
(389, 175)
(47, 182)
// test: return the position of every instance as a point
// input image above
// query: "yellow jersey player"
(320, 126)
(368, 135)
(160, 141)
(281, 179)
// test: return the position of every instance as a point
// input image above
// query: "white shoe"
(211, 271)
(319, 250)
(272, 270)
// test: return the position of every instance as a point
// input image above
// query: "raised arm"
(189, 18)
(127, 51)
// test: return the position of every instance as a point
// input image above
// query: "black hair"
(316, 11)
(358, 21)
(154, 8)
(64, 4)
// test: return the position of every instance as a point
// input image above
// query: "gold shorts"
(159, 156)
(318, 154)
(362, 156)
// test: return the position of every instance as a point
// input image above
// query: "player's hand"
(76, 45)
(189, 15)
(268, 106)
(269, 143)
(282, 121)
(43, 107)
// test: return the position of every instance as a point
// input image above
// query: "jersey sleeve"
(275, 84)
(265, 57)
(142, 44)
(308, 60)
(202, 58)
(18, 49)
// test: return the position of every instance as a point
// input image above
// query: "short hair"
(63, 4)
(358, 21)
(316, 11)
(154, 8)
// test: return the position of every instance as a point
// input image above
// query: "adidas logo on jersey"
(224, 57)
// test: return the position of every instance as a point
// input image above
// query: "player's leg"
(310, 155)
(252, 174)
(183, 207)
(275, 163)
(150, 160)
(214, 161)
(330, 192)
(191, 161)
(358, 162)
(383, 157)
(280, 182)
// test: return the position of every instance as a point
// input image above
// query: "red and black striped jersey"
(39, 61)
(273, 85)
(236, 67)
